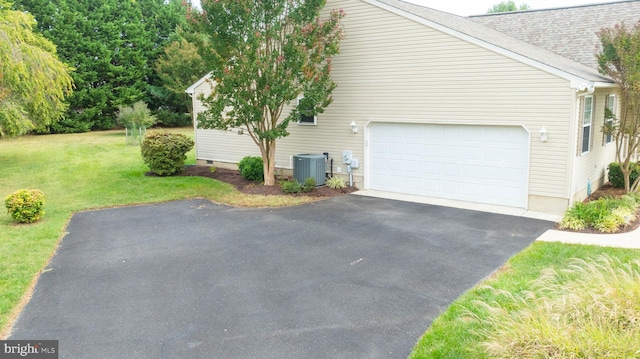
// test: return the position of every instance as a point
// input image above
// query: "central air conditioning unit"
(306, 165)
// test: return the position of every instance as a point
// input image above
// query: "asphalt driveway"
(348, 277)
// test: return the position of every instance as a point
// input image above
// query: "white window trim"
(609, 120)
(584, 124)
(315, 117)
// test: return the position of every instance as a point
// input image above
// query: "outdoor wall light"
(354, 127)
(543, 134)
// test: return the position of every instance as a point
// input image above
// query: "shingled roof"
(485, 36)
(567, 31)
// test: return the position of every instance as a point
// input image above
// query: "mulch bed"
(234, 178)
(607, 191)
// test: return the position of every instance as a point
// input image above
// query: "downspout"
(573, 144)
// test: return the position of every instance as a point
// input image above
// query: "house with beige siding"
(504, 109)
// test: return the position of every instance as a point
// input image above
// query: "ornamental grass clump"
(590, 310)
(336, 183)
(25, 205)
(605, 214)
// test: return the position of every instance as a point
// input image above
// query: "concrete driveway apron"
(347, 277)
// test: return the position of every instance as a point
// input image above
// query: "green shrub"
(591, 310)
(251, 168)
(615, 174)
(309, 184)
(336, 183)
(25, 205)
(292, 186)
(165, 152)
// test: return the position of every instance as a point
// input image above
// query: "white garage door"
(485, 164)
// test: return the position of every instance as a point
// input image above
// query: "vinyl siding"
(594, 163)
(393, 69)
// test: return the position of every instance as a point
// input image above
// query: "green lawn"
(454, 334)
(97, 170)
(78, 172)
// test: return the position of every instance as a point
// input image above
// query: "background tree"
(112, 44)
(619, 58)
(162, 19)
(179, 67)
(269, 53)
(507, 6)
(33, 82)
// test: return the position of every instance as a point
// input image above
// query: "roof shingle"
(567, 31)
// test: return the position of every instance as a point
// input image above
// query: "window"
(587, 120)
(609, 115)
(309, 118)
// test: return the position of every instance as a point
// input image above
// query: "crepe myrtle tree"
(619, 58)
(269, 53)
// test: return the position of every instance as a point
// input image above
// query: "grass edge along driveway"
(97, 170)
(79, 172)
(455, 332)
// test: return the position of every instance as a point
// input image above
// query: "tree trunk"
(269, 163)
(624, 168)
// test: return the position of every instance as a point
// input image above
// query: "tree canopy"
(33, 82)
(180, 66)
(267, 55)
(507, 6)
(113, 45)
(619, 58)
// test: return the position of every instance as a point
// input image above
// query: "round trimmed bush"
(165, 152)
(25, 205)
(251, 168)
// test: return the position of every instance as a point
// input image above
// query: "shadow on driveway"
(348, 277)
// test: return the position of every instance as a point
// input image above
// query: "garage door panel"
(429, 167)
(413, 167)
(450, 170)
(471, 189)
(451, 188)
(413, 183)
(487, 164)
(414, 149)
(396, 166)
(470, 171)
(396, 182)
(452, 152)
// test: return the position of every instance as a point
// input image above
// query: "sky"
(477, 7)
